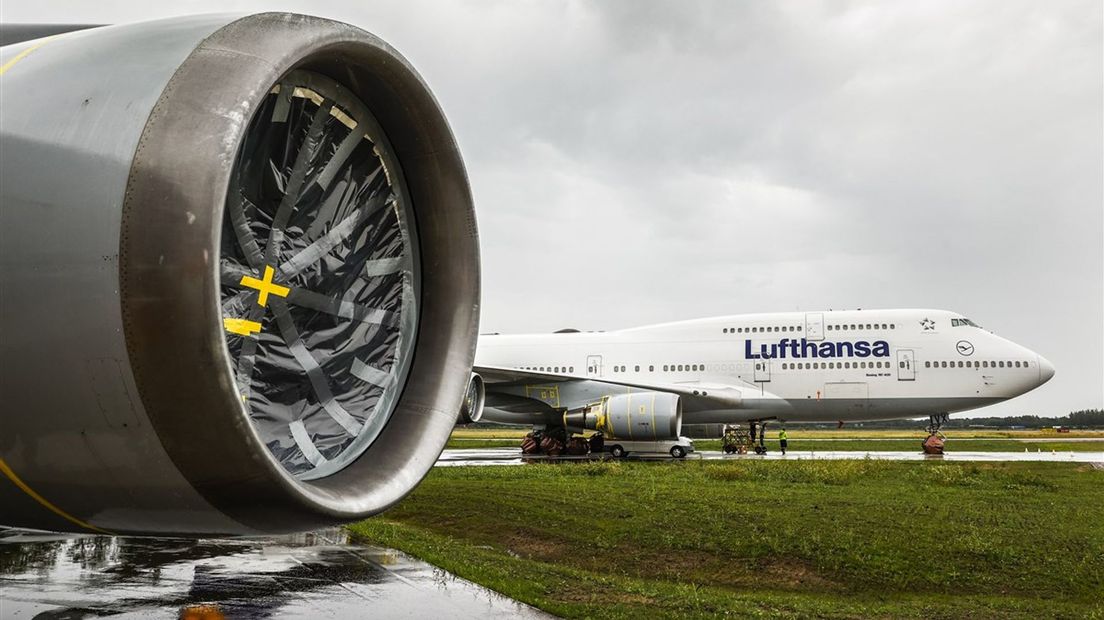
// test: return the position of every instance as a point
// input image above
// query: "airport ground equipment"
(736, 440)
(677, 447)
(240, 277)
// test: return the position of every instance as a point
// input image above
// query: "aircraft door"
(594, 365)
(762, 370)
(906, 365)
(814, 326)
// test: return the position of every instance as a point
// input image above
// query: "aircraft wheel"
(678, 452)
(617, 451)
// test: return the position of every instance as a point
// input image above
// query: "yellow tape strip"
(24, 53)
(42, 500)
(242, 327)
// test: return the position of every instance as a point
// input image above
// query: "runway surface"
(315, 575)
(513, 456)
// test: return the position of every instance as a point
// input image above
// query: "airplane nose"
(1046, 370)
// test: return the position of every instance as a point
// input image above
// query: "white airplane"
(788, 367)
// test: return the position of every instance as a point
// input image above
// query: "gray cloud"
(636, 162)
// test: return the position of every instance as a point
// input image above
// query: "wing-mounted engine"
(638, 416)
(240, 277)
(471, 409)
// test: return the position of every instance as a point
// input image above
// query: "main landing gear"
(759, 428)
(934, 443)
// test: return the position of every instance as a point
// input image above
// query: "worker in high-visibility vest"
(782, 439)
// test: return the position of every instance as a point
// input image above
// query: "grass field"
(848, 439)
(830, 539)
(477, 432)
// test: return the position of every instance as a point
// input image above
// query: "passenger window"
(884, 325)
(665, 368)
(636, 369)
(901, 364)
(651, 368)
(927, 364)
(798, 328)
(725, 330)
(985, 364)
(892, 326)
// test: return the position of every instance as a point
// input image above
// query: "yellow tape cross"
(265, 286)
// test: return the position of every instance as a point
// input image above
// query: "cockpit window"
(964, 323)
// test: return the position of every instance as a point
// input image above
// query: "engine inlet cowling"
(248, 252)
(471, 410)
(638, 416)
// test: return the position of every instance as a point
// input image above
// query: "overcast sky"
(636, 162)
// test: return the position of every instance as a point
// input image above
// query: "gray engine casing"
(120, 408)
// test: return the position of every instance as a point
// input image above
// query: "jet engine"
(471, 410)
(640, 416)
(240, 277)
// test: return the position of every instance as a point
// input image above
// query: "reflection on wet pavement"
(513, 456)
(313, 575)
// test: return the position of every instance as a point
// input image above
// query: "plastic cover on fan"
(317, 276)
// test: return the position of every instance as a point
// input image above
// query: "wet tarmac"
(513, 456)
(315, 575)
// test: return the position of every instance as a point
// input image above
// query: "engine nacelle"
(471, 410)
(240, 277)
(640, 416)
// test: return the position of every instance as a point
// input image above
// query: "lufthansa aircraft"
(796, 366)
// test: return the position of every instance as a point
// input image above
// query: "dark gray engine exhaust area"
(240, 277)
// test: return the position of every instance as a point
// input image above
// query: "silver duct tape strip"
(306, 446)
(314, 372)
(231, 274)
(342, 308)
(322, 246)
(384, 266)
(371, 374)
(231, 277)
(295, 183)
(283, 104)
(344, 150)
(247, 357)
(244, 235)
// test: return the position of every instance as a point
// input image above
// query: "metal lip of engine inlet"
(169, 271)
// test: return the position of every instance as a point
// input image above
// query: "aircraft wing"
(696, 396)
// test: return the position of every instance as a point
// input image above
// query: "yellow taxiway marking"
(21, 55)
(242, 327)
(265, 286)
(42, 500)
